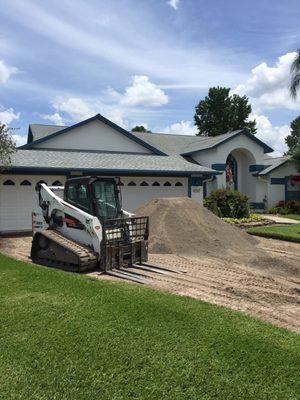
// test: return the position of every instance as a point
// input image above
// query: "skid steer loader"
(87, 228)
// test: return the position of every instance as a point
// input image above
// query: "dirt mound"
(182, 226)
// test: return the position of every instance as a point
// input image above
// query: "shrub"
(288, 207)
(273, 210)
(228, 203)
(247, 220)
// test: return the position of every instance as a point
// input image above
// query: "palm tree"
(295, 75)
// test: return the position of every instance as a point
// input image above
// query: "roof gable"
(97, 117)
(215, 141)
(275, 163)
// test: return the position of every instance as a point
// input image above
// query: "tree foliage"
(221, 112)
(295, 75)
(293, 139)
(140, 128)
(7, 146)
(293, 142)
(296, 157)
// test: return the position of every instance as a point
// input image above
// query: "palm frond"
(295, 83)
(295, 67)
(295, 76)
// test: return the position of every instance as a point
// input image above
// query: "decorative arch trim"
(9, 182)
(25, 183)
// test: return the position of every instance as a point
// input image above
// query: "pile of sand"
(182, 226)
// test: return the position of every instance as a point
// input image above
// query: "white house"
(149, 165)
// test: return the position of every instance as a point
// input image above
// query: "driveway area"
(271, 292)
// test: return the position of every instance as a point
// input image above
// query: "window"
(131, 183)
(106, 200)
(155, 184)
(77, 194)
(25, 183)
(40, 182)
(121, 183)
(57, 183)
(178, 184)
(167, 183)
(9, 183)
(144, 184)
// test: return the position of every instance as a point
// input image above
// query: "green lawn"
(284, 232)
(66, 336)
(292, 216)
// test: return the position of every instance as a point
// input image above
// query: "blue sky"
(145, 62)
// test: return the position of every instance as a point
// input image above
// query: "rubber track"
(88, 259)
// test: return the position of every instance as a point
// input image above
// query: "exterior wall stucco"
(94, 135)
(276, 193)
(246, 152)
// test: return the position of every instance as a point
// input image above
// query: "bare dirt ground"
(271, 293)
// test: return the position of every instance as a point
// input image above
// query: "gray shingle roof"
(182, 144)
(77, 160)
(40, 131)
(274, 163)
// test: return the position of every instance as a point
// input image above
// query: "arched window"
(41, 181)
(9, 183)
(25, 183)
(131, 183)
(155, 183)
(167, 183)
(178, 184)
(57, 183)
(121, 183)
(144, 184)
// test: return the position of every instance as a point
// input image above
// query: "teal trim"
(257, 206)
(267, 149)
(218, 167)
(204, 190)
(106, 121)
(278, 181)
(256, 168)
(98, 171)
(190, 187)
(196, 181)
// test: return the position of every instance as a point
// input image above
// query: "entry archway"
(238, 175)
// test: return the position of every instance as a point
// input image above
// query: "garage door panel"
(134, 196)
(16, 202)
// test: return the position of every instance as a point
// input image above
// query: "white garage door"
(17, 196)
(137, 191)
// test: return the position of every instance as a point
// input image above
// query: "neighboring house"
(149, 165)
(280, 180)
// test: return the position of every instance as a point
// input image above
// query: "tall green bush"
(228, 203)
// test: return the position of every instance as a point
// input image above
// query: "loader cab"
(94, 195)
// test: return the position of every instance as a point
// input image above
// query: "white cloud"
(269, 86)
(174, 4)
(142, 92)
(272, 135)
(116, 46)
(181, 128)
(77, 108)
(55, 118)
(6, 72)
(19, 139)
(8, 115)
